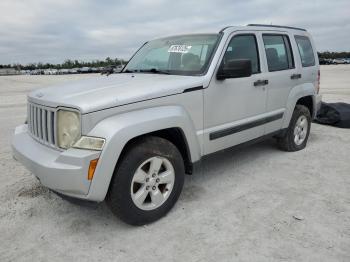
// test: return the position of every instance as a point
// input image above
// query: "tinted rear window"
(278, 52)
(305, 51)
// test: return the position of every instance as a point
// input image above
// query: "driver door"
(234, 109)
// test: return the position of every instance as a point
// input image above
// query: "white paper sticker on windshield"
(179, 48)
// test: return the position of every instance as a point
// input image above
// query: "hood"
(100, 92)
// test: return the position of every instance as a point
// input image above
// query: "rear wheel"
(298, 130)
(147, 182)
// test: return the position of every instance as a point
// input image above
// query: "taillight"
(318, 81)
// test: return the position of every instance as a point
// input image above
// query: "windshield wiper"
(152, 70)
(155, 71)
(128, 71)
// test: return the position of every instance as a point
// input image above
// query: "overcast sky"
(52, 31)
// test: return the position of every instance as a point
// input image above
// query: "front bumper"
(62, 171)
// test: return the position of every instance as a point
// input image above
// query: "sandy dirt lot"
(251, 204)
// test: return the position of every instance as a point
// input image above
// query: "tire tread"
(286, 143)
(118, 198)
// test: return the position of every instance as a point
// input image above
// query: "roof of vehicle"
(259, 27)
(249, 27)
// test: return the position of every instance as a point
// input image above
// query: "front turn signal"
(92, 167)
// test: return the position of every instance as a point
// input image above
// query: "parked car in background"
(50, 71)
(84, 70)
(37, 72)
(63, 71)
(325, 61)
(25, 72)
(94, 70)
(129, 138)
(9, 71)
(73, 70)
(347, 60)
(339, 61)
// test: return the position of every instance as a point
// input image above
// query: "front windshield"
(178, 55)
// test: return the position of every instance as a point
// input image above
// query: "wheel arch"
(307, 102)
(304, 94)
(170, 122)
(174, 135)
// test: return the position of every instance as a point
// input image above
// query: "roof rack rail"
(278, 26)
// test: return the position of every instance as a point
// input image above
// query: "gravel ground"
(250, 204)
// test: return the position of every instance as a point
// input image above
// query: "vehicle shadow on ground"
(234, 158)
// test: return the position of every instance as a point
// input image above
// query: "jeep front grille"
(42, 123)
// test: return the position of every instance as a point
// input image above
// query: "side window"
(243, 47)
(305, 51)
(278, 52)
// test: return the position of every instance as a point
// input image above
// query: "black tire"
(287, 142)
(119, 197)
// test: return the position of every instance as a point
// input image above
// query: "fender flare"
(118, 130)
(295, 94)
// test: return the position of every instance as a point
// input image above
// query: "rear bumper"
(62, 171)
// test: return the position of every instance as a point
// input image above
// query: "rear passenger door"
(281, 74)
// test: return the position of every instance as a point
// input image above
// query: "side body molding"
(295, 94)
(119, 129)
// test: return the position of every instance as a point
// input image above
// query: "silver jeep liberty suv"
(129, 138)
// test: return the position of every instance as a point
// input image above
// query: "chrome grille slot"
(41, 123)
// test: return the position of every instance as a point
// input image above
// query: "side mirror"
(235, 68)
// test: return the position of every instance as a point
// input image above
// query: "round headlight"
(68, 128)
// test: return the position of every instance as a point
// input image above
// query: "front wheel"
(298, 130)
(147, 182)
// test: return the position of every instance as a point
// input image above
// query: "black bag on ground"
(334, 114)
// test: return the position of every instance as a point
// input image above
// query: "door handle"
(261, 82)
(295, 76)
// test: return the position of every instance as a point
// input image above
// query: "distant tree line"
(333, 55)
(67, 64)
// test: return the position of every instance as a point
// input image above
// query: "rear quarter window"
(305, 50)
